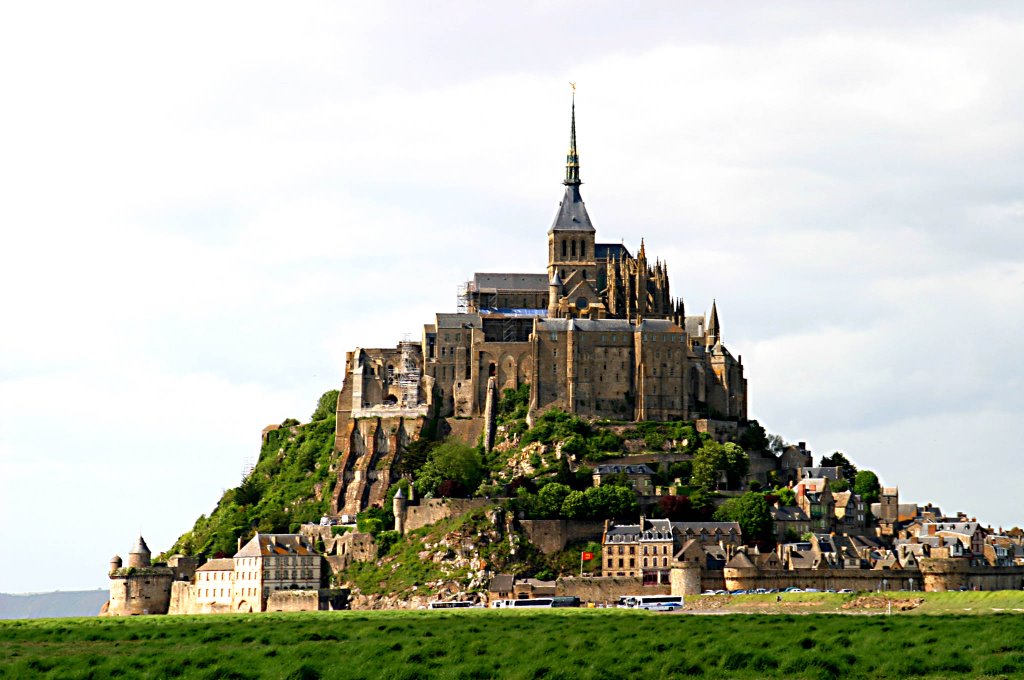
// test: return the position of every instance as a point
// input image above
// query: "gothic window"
(583, 248)
(563, 252)
(573, 248)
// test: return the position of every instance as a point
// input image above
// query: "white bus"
(651, 602)
(457, 604)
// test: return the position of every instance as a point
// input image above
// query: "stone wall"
(935, 575)
(293, 601)
(433, 510)
(606, 590)
(552, 535)
(183, 598)
(953, 574)
(146, 591)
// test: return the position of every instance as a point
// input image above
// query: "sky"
(204, 206)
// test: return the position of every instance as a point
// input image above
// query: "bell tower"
(571, 237)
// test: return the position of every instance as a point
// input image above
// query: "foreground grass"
(483, 644)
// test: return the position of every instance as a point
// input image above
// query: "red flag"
(587, 556)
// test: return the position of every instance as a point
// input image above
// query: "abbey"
(598, 334)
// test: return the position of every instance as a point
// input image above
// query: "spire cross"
(572, 159)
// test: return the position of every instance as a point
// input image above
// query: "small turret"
(140, 554)
(554, 293)
(398, 507)
(115, 564)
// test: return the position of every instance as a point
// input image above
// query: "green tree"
(867, 487)
(787, 498)
(753, 438)
(837, 459)
(610, 502)
(415, 455)
(551, 498)
(451, 460)
(714, 459)
(575, 505)
(751, 512)
(327, 406)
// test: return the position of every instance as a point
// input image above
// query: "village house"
(647, 549)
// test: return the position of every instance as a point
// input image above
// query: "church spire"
(714, 333)
(572, 159)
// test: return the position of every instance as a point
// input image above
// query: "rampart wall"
(433, 510)
(293, 601)
(552, 535)
(606, 590)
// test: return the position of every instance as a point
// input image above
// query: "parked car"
(845, 590)
(792, 589)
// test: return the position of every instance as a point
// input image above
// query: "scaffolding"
(409, 374)
(462, 297)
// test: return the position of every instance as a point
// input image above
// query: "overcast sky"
(205, 205)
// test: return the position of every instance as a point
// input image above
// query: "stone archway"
(244, 607)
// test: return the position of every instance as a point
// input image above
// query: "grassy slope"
(475, 644)
(280, 494)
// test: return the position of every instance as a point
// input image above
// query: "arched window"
(583, 248)
(563, 247)
(574, 247)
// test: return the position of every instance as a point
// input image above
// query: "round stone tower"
(115, 564)
(140, 554)
(398, 507)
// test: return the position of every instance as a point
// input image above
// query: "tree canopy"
(837, 459)
(751, 512)
(713, 459)
(454, 461)
(866, 486)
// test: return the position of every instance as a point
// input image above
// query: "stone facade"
(598, 334)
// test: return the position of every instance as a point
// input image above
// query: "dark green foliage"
(754, 437)
(714, 459)
(514, 404)
(866, 486)
(385, 540)
(415, 455)
(374, 520)
(786, 496)
(327, 407)
(451, 460)
(838, 460)
(751, 512)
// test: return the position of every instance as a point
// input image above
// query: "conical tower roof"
(572, 213)
(140, 547)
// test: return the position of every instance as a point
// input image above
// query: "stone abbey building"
(598, 334)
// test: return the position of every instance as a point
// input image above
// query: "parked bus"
(456, 604)
(651, 602)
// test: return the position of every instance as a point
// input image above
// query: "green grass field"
(551, 644)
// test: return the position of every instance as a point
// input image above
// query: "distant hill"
(52, 605)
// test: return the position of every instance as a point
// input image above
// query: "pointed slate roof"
(572, 214)
(140, 547)
(713, 330)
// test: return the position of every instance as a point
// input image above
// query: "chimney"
(931, 529)
(239, 544)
